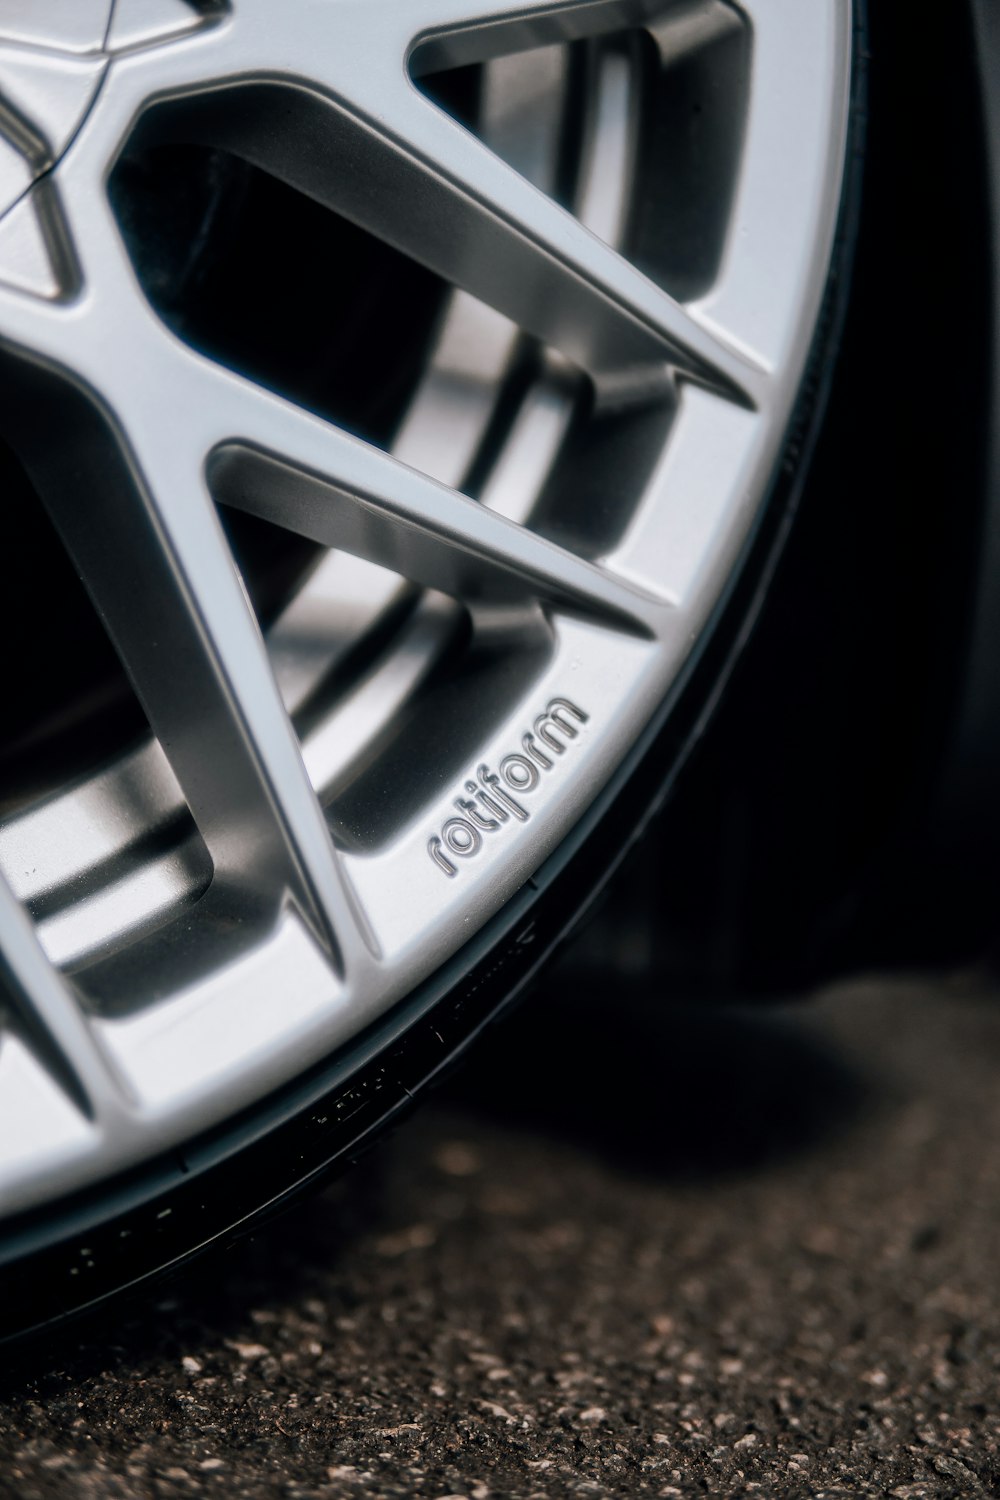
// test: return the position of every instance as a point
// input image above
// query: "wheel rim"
(194, 935)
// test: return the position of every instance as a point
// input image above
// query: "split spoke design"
(482, 226)
(179, 615)
(187, 635)
(415, 178)
(343, 493)
(279, 462)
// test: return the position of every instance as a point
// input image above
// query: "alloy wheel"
(591, 239)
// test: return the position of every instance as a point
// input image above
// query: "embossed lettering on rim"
(490, 799)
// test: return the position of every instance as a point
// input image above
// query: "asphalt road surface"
(636, 1250)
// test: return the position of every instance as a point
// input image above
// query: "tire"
(72, 1239)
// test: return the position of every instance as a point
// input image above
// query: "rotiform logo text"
(494, 799)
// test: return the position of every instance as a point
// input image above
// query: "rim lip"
(643, 701)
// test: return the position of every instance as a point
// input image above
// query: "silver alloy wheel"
(310, 829)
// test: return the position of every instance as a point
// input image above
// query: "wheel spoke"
(138, 520)
(420, 181)
(453, 33)
(51, 1016)
(368, 503)
(513, 247)
(201, 668)
(277, 461)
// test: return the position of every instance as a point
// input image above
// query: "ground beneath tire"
(636, 1250)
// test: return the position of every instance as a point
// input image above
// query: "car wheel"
(415, 405)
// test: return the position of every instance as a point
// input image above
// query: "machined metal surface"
(630, 228)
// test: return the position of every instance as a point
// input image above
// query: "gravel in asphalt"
(636, 1249)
